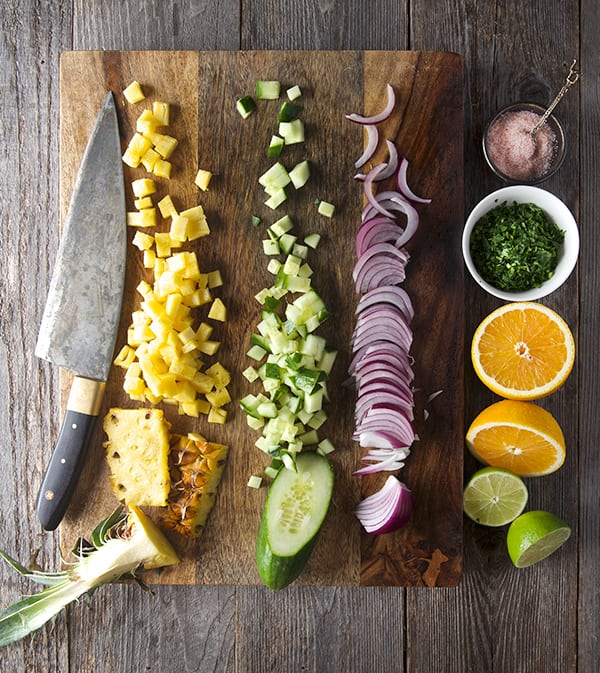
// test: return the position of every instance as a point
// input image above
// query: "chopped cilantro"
(515, 247)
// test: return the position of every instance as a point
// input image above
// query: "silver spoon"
(572, 77)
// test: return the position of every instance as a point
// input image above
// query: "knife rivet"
(63, 461)
(74, 426)
(49, 495)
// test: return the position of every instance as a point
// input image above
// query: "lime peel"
(534, 536)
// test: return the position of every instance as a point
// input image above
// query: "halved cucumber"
(294, 512)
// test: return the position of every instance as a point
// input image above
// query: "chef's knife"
(82, 312)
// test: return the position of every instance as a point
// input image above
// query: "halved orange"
(518, 436)
(523, 351)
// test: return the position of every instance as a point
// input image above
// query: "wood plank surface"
(427, 127)
(498, 620)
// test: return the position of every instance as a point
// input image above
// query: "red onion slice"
(376, 230)
(381, 116)
(402, 183)
(372, 140)
(370, 178)
(390, 165)
(386, 510)
(390, 294)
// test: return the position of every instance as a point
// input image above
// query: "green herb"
(515, 247)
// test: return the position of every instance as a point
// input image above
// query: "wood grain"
(497, 620)
(428, 128)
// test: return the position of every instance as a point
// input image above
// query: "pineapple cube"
(143, 241)
(178, 231)
(162, 169)
(166, 207)
(131, 158)
(218, 311)
(219, 374)
(163, 144)
(133, 93)
(214, 279)
(149, 259)
(139, 144)
(125, 357)
(217, 415)
(142, 218)
(161, 112)
(145, 202)
(149, 159)
(163, 244)
(137, 455)
(143, 187)
(202, 179)
(146, 122)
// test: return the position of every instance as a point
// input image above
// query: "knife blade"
(81, 317)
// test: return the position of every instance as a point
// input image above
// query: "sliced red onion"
(372, 140)
(381, 116)
(390, 165)
(388, 294)
(385, 349)
(370, 178)
(379, 251)
(402, 183)
(383, 465)
(377, 230)
(386, 510)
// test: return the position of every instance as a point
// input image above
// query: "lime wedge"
(494, 496)
(534, 536)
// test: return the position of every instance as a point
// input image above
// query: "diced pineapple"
(142, 218)
(133, 93)
(196, 471)
(137, 454)
(143, 187)
(166, 207)
(218, 311)
(149, 159)
(178, 231)
(145, 202)
(161, 112)
(163, 144)
(162, 169)
(143, 241)
(146, 122)
(202, 179)
(214, 279)
(217, 415)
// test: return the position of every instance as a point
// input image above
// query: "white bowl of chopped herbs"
(520, 243)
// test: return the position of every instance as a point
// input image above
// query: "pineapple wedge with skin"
(137, 455)
(196, 467)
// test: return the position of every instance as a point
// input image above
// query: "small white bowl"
(556, 209)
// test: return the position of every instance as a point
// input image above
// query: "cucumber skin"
(277, 572)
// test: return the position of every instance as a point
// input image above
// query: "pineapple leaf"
(48, 579)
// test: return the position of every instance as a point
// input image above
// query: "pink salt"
(514, 151)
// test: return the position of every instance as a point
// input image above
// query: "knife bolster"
(86, 396)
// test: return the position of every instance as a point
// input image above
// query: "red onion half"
(386, 510)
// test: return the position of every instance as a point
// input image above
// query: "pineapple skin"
(196, 467)
(137, 454)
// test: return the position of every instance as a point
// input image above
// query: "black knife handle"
(70, 451)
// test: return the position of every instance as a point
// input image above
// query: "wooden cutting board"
(427, 127)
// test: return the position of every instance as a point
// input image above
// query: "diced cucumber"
(254, 481)
(275, 146)
(245, 106)
(267, 89)
(276, 176)
(296, 506)
(294, 92)
(300, 251)
(250, 374)
(276, 199)
(292, 132)
(270, 247)
(299, 174)
(326, 209)
(256, 221)
(289, 111)
(282, 226)
(325, 446)
(286, 243)
(312, 240)
(256, 353)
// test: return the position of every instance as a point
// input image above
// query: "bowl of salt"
(523, 148)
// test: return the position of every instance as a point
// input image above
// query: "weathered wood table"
(497, 620)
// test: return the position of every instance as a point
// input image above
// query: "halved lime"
(534, 536)
(494, 496)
